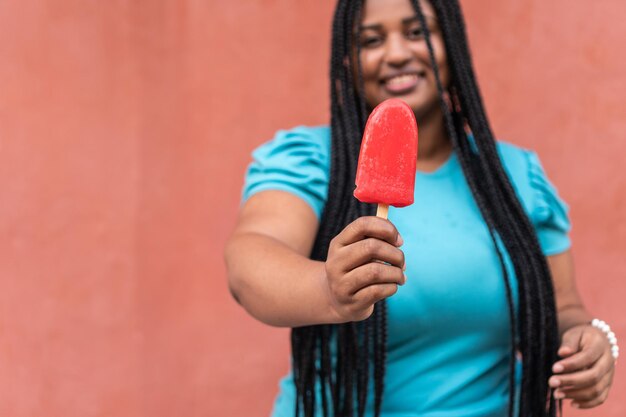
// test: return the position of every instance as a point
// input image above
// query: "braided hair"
(341, 379)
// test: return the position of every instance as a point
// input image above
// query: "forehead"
(381, 11)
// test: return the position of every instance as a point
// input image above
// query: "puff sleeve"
(548, 212)
(296, 161)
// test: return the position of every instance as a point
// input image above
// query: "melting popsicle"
(386, 171)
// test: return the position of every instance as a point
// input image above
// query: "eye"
(415, 33)
(371, 41)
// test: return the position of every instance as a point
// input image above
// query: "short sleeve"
(548, 212)
(296, 161)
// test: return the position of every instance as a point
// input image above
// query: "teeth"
(402, 79)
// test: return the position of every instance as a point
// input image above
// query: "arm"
(585, 372)
(569, 306)
(270, 275)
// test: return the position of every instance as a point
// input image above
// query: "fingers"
(369, 226)
(586, 372)
(364, 266)
(355, 292)
(368, 296)
(374, 273)
(584, 378)
(589, 396)
(361, 305)
(600, 399)
(369, 250)
(579, 360)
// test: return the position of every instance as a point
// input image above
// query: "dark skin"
(395, 63)
(276, 230)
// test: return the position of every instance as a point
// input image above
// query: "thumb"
(570, 342)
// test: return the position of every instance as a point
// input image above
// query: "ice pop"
(386, 170)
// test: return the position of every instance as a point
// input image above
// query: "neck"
(434, 146)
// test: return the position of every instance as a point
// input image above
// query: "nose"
(397, 52)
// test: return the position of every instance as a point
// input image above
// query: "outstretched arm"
(271, 276)
(269, 272)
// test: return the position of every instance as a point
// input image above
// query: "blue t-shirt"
(448, 326)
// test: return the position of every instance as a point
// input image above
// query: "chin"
(421, 105)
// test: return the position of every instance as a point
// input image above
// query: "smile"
(402, 83)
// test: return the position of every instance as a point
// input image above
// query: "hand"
(364, 265)
(586, 372)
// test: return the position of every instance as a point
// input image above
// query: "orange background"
(125, 128)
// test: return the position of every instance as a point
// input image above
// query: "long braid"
(506, 221)
(466, 157)
(520, 242)
(325, 366)
(348, 379)
(380, 349)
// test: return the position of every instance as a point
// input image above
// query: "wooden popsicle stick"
(382, 211)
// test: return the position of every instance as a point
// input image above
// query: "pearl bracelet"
(601, 324)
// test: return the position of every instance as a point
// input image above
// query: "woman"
(487, 320)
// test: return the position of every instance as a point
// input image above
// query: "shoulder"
(519, 163)
(514, 158)
(539, 197)
(522, 165)
(296, 160)
(312, 139)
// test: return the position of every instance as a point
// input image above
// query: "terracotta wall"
(125, 128)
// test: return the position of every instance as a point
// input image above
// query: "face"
(394, 55)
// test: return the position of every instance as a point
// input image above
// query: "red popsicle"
(386, 171)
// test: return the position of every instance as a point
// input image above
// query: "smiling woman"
(395, 60)
(461, 304)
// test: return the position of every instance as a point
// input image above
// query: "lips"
(401, 83)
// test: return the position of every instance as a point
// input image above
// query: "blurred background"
(125, 129)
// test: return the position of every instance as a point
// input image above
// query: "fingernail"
(575, 405)
(399, 240)
(404, 279)
(557, 368)
(404, 267)
(559, 395)
(554, 382)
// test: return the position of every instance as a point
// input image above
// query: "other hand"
(585, 372)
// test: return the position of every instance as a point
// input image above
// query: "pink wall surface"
(125, 129)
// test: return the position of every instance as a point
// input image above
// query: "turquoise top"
(448, 326)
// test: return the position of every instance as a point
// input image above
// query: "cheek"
(369, 65)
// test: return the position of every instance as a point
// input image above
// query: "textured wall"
(125, 128)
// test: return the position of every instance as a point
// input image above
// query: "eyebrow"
(405, 21)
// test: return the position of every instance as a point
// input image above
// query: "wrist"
(330, 314)
(572, 315)
(606, 329)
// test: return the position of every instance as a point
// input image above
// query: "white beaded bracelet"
(601, 324)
